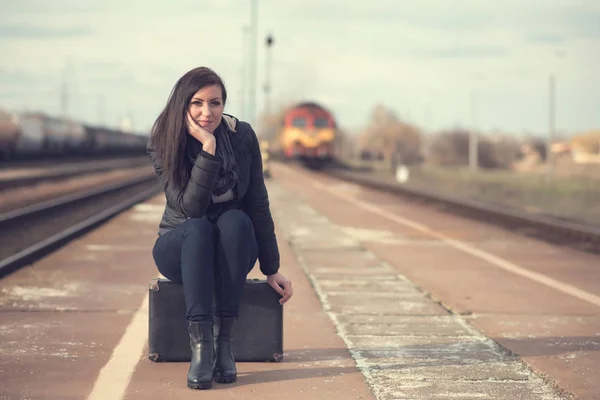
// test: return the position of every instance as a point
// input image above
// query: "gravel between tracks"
(24, 196)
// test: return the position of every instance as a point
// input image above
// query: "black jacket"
(193, 200)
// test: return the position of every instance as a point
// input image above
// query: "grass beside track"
(573, 197)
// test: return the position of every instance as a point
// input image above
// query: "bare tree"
(387, 137)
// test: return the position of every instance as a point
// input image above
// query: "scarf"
(228, 173)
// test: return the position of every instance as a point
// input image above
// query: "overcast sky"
(420, 58)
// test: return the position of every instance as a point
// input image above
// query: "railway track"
(552, 229)
(53, 160)
(29, 233)
(14, 178)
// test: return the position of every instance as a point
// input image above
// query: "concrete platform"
(74, 325)
(536, 301)
(441, 357)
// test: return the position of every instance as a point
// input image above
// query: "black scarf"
(228, 174)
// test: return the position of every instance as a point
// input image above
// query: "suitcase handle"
(154, 283)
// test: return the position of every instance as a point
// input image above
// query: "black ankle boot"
(200, 374)
(225, 371)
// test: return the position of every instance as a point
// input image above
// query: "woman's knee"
(199, 228)
(234, 222)
(167, 257)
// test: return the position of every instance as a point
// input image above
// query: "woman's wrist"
(209, 146)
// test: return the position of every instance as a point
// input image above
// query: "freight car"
(20, 135)
(29, 135)
(308, 134)
(59, 135)
(102, 140)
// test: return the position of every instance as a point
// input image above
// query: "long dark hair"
(170, 135)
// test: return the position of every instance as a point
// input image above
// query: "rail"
(52, 173)
(29, 233)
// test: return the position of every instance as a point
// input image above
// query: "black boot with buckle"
(225, 371)
(200, 374)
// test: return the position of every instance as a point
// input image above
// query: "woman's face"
(206, 107)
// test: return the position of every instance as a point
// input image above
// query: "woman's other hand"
(282, 285)
(209, 143)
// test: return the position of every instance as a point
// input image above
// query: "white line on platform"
(492, 259)
(115, 376)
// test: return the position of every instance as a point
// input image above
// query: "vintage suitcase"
(258, 334)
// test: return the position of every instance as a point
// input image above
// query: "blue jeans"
(211, 260)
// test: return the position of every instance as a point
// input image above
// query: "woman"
(216, 222)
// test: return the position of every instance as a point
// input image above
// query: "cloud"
(132, 9)
(43, 7)
(584, 22)
(465, 52)
(346, 54)
(8, 76)
(547, 38)
(41, 32)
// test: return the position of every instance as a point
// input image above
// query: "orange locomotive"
(308, 133)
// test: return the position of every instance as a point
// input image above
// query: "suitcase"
(258, 334)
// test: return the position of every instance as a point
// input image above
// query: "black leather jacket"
(251, 195)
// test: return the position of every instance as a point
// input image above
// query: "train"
(37, 135)
(307, 133)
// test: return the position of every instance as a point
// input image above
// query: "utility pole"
(242, 94)
(473, 145)
(63, 93)
(426, 129)
(101, 110)
(551, 124)
(269, 43)
(244, 73)
(253, 62)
